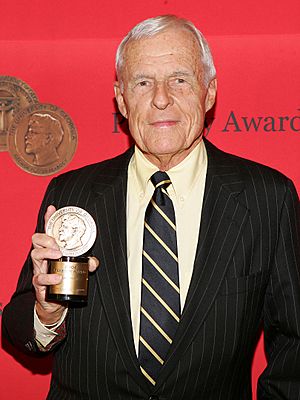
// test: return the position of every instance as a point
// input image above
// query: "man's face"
(66, 232)
(164, 97)
(36, 137)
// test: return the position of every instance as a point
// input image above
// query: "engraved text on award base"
(74, 282)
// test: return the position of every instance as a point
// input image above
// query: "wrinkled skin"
(163, 95)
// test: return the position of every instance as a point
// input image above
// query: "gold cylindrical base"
(74, 284)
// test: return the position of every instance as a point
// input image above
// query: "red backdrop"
(65, 52)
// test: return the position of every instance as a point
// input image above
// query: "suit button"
(153, 397)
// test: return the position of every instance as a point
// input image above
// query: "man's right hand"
(45, 248)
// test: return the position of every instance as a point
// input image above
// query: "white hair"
(152, 26)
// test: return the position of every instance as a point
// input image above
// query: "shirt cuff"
(44, 334)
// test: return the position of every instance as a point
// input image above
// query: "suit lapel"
(222, 220)
(112, 275)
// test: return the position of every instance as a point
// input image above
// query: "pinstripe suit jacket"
(246, 275)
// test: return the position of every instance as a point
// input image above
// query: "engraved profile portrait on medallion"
(74, 230)
(71, 231)
(43, 138)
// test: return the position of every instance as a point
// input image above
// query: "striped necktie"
(160, 301)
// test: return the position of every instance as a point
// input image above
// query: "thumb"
(50, 211)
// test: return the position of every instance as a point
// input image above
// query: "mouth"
(167, 123)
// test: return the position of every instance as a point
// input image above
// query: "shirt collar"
(182, 175)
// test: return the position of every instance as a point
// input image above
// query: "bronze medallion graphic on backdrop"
(14, 95)
(42, 139)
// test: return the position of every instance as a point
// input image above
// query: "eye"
(178, 82)
(143, 83)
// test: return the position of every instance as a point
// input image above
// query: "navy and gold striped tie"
(160, 303)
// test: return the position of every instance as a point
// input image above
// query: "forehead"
(173, 46)
(35, 121)
(39, 124)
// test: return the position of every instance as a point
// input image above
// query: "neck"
(167, 161)
(46, 157)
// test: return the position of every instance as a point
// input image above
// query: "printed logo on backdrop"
(266, 123)
(235, 122)
(41, 138)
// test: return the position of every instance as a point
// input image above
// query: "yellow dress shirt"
(186, 192)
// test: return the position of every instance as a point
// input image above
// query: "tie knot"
(160, 179)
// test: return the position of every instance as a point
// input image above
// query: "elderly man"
(198, 250)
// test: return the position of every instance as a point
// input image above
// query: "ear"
(211, 94)
(49, 137)
(120, 99)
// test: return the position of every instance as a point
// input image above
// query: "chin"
(163, 150)
(165, 146)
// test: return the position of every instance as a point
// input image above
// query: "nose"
(161, 96)
(28, 134)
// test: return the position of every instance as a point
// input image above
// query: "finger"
(50, 211)
(41, 240)
(40, 267)
(42, 280)
(43, 253)
(93, 263)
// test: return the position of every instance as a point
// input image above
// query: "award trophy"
(75, 232)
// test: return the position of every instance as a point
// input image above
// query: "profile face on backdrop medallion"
(42, 139)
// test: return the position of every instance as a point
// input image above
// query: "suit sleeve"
(281, 378)
(18, 314)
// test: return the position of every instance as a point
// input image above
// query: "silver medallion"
(74, 230)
